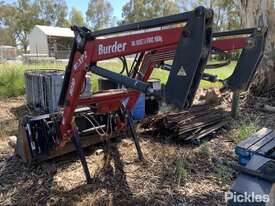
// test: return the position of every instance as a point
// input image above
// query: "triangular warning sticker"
(182, 72)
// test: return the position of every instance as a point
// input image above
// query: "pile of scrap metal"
(256, 183)
(190, 125)
(186, 39)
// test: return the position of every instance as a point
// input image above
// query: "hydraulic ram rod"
(127, 81)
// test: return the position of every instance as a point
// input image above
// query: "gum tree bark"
(261, 13)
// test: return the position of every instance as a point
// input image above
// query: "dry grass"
(244, 128)
(172, 174)
(123, 180)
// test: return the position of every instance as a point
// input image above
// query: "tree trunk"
(256, 13)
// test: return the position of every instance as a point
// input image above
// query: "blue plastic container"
(244, 155)
(138, 111)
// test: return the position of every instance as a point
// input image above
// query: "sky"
(82, 6)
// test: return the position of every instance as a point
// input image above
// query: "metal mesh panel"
(43, 88)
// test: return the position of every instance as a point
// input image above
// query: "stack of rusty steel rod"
(189, 125)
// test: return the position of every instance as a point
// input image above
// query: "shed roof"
(7, 47)
(56, 31)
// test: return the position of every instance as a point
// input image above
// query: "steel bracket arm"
(252, 46)
(189, 62)
(249, 60)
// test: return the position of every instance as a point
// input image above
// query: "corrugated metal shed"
(51, 41)
(56, 31)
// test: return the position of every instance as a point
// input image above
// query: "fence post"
(235, 104)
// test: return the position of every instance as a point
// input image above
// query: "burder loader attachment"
(110, 111)
(82, 122)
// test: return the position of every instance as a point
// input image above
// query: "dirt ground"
(122, 180)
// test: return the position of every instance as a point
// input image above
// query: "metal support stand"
(76, 141)
(235, 104)
(134, 135)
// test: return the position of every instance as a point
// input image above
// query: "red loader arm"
(87, 51)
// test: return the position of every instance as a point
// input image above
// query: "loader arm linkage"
(87, 51)
(188, 46)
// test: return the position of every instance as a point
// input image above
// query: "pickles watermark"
(246, 197)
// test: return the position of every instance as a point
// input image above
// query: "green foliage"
(223, 173)
(204, 149)
(243, 129)
(181, 172)
(76, 17)
(12, 77)
(99, 14)
(11, 83)
(52, 12)
(134, 11)
(226, 15)
(14, 73)
(6, 37)
(20, 17)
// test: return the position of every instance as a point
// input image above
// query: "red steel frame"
(159, 46)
